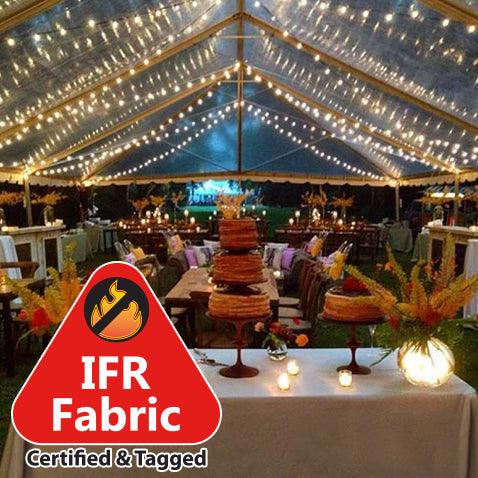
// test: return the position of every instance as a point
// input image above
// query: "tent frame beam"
(361, 75)
(369, 131)
(16, 16)
(125, 74)
(240, 80)
(452, 10)
(50, 160)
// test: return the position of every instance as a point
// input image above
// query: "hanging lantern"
(428, 366)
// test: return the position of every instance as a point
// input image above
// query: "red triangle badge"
(116, 372)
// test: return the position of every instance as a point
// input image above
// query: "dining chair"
(285, 301)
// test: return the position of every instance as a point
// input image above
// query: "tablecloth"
(422, 244)
(471, 268)
(81, 249)
(401, 239)
(381, 427)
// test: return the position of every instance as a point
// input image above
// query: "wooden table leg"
(8, 334)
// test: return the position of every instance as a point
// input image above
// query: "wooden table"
(196, 280)
(6, 296)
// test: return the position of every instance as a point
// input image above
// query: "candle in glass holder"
(293, 368)
(193, 220)
(186, 213)
(215, 213)
(291, 222)
(283, 381)
(166, 217)
(121, 224)
(143, 222)
(297, 214)
(340, 222)
(253, 207)
(198, 229)
(345, 378)
(148, 214)
(210, 218)
(334, 215)
(149, 230)
(264, 212)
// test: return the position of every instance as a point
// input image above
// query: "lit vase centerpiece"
(426, 306)
(430, 365)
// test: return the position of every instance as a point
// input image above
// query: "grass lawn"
(328, 336)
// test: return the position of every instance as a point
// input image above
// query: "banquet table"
(196, 280)
(380, 427)
(421, 248)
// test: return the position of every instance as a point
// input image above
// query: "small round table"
(353, 343)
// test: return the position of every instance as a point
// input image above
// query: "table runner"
(381, 427)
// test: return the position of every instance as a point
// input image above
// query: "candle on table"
(193, 220)
(198, 229)
(253, 207)
(186, 213)
(148, 214)
(283, 381)
(166, 217)
(340, 222)
(149, 230)
(264, 213)
(293, 368)
(334, 215)
(345, 378)
(291, 222)
(215, 213)
(143, 222)
(210, 218)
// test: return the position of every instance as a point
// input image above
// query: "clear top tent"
(374, 92)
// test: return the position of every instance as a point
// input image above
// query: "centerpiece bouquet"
(426, 306)
(140, 205)
(8, 198)
(49, 200)
(44, 313)
(230, 205)
(343, 203)
(278, 337)
(313, 201)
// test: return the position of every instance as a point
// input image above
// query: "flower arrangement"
(49, 199)
(10, 198)
(157, 201)
(230, 205)
(278, 334)
(176, 198)
(44, 313)
(312, 200)
(343, 202)
(140, 204)
(426, 302)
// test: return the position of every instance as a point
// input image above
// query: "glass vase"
(48, 215)
(277, 353)
(430, 365)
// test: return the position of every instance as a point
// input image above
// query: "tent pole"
(28, 200)
(240, 81)
(455, 202)
(397, 201)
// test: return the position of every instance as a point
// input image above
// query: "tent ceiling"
(95, 90)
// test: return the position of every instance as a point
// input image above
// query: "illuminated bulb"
(91, 23)
(445, 22)
(388, 17)
(365, 13)
(10, 42)
(471, 29)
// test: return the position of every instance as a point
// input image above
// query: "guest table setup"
(313, 422)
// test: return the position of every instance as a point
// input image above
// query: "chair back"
(308, 273)
(128, 244)
(316, 291)
(121, 251)
(8, 253)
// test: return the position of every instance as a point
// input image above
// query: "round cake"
(343, 305)
(238, 269)
(240, 306)
(238, 234)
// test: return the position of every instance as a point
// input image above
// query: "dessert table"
(380, 427)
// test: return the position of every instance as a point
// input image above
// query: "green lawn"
(328, 336)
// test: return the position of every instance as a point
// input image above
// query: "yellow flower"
(337, 267)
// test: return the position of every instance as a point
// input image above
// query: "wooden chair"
(294, 301)
(27, 268)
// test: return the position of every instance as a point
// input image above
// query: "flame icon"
(117, 326)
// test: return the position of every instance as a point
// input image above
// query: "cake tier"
(236, 306)
(238, 234)
(342, 306)
(238, 269)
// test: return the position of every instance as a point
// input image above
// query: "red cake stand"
(353, 343)
(239, 370)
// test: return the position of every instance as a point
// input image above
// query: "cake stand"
(353, 343)
(238, 370)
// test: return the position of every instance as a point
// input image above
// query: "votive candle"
(283, 381)
(293, 368)
(345, 378)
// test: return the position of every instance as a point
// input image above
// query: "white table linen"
(380, 427)
(470, 269)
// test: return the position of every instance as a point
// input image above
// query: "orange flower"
(389, 267)
(302, 340)
(259, 326)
